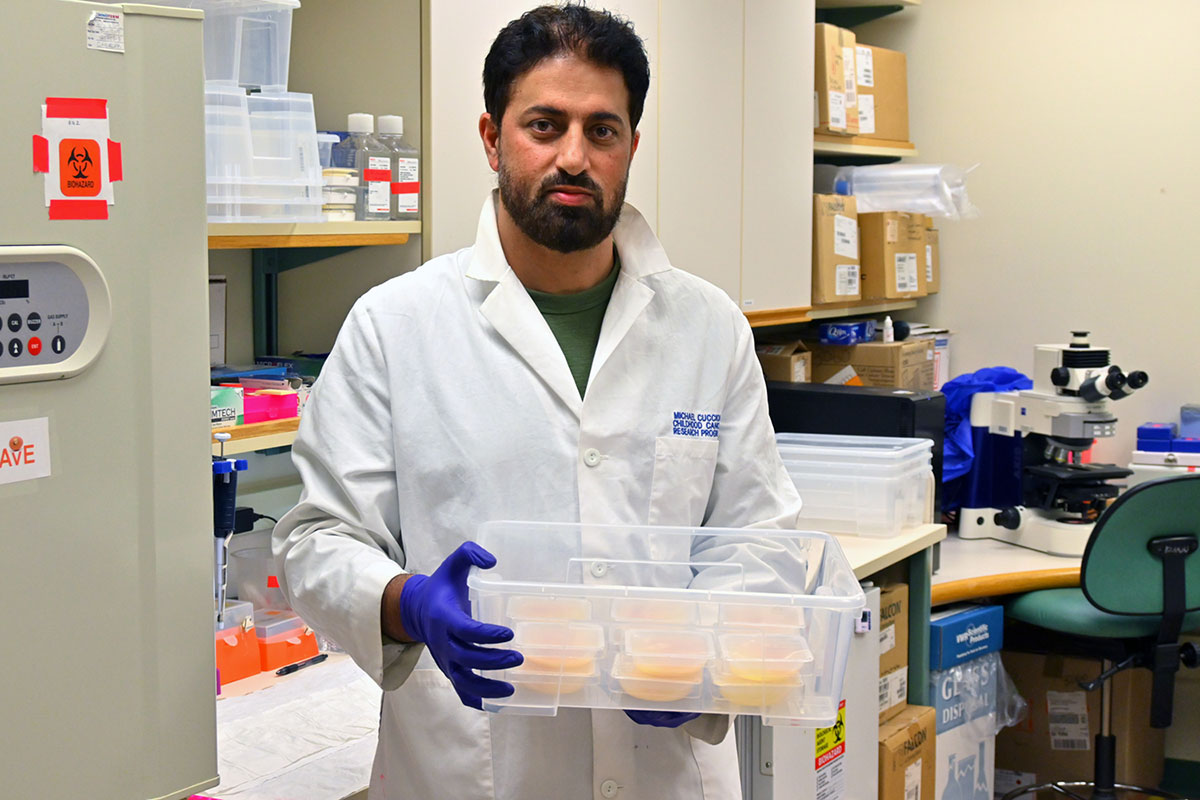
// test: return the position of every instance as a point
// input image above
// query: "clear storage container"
(246, 42)
(236, 643)
(868, 485)
(673, 619)
(255, 579)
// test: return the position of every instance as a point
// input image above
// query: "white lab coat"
(447, 402)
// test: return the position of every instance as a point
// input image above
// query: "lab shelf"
(248, 236)
(257, 436)
(852, 146)
(849, 13)
(789, 316)
(862, 307)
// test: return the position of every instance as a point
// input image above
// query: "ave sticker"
(24, 450)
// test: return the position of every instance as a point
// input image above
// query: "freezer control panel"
(54, 312)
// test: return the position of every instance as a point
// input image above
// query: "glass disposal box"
(712, 620)
(867, 485)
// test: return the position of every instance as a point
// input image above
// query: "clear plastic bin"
(325, 143)
(246, 42)
(650, 618)
(867, 485)
(283, 638)
(255, 579)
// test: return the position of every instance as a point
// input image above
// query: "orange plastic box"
(236, 643)
(283, 638)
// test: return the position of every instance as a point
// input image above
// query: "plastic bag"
(938, 190)
(958, 451)
(978, 692)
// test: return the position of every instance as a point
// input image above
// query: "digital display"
(14, 290)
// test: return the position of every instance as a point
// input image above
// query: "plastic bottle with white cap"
(406, 168)
(373, 160)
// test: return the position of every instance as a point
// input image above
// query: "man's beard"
(565, 229)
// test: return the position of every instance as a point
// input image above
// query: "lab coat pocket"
(682, 481)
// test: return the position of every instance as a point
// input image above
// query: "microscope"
(1028, 484)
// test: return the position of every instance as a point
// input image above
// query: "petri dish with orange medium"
(558, 647)
(764, 658)
(549, 607)
(666, 653)
(754, 694)
(639, 685)
(652, 611)
(783, 619)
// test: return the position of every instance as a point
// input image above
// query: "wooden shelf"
(777, 316)
(860, 307)
(865, 3)
(826, 145)
(257, 436)
(244, 236)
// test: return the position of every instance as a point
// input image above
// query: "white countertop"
(869, 554)
(979, 558)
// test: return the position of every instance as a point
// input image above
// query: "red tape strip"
(41, 154)
(408, 187)
(272, 582)
(76, 107)
(372, 175)
(114, 160)
(78, 209)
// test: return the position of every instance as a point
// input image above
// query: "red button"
(35, 346)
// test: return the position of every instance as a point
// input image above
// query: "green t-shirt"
(575, 320)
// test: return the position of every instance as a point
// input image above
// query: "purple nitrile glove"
(435, 610)
(661, 719)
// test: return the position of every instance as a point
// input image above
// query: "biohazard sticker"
(79, 160)
(830, 761)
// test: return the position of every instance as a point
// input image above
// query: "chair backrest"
(1119, 573)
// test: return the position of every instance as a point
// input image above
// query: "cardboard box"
(226, 406)
(964, 633)
(907, 759)
(835, 268)
(891, 252)
(893, 693)
(216, 320)
(1065, 751)
(893, 628)
(964, 698)
(881, 85)
(836, 108)
(790, 361)
(933, 262)
(902, 365)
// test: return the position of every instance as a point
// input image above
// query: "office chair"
(1139, 587)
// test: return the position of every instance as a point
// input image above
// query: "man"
(533, 376)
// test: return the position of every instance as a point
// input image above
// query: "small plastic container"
(559, 647)
(549, 682)
(535, 608)
(755, 695)
(338, 213)
(325, 143)
(672, 654)
(266, 405)
(340, 176)
(236, 643)
(659, 612)
(283, 639)
(339, 195)
(772, 618)
(640, 686)
(255, 578)
(764, 658)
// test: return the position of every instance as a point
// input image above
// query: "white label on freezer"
(378, 191)
(106, 31)
(845, 236)
(912, 781)
(887, 639)
(408, 187)
(1009, 779)
(831, 758)
(1067, 718)
(837, 110)
(929, 263)
(24, 450)
(848, 71)
(906, 272)
(866, 113)
(864, 63)
(847, 280)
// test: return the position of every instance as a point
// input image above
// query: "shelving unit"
(826, 145)
(862, 307)
(247, 236)
(257, 436)
(848, 13)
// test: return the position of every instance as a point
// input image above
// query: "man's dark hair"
(597, 36)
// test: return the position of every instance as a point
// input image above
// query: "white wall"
(1083, 115)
